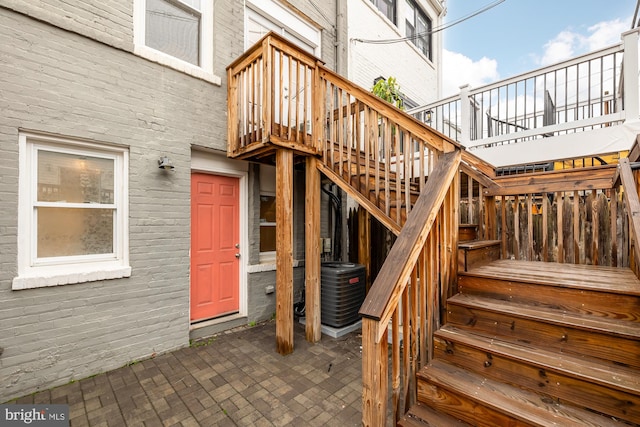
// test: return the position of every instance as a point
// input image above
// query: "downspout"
(441, 15)
(342, 65)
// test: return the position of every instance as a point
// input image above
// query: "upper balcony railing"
(596, 90)
(271, 99)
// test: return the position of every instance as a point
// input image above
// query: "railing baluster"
(421, 305)
(340, 139)
(560, 226)
(408, 178)
(368, 137)
(387, 164)
(406, 347)
(349, 137)
(414, 353)
(395, 364)
(358, 126)
(396, 154)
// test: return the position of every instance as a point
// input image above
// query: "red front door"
(215, 217)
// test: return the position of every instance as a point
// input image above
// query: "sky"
(517, 36)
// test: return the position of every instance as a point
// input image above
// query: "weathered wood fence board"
(580, 226)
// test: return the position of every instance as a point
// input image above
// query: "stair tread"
(421, 415)
(615, 327)
(618, 377)
(477, 244)
(517, 403)
(588, 277)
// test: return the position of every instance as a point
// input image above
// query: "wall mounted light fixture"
(165, 163)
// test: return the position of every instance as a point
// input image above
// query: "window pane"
(66, 232)
(387, 7)
(173, 30)
(267, 208)
(74, 178)
(193, 3)
(267, 238)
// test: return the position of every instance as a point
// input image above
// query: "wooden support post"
(375, 375)
(284, 251)
(312, 251)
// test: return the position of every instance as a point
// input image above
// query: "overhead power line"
(434, 30)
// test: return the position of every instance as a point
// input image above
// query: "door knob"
(237, 255)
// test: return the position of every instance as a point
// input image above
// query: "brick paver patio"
(234, 379)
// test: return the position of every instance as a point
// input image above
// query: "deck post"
(313, 328)
(465, 116)
(630, 78)
(284, 251)
(375, 374)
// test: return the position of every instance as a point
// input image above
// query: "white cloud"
(458, 70)
(560, 48)
(570, 43)
(605, 34)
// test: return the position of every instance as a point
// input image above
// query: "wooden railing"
(417, 275)
(281, 96)
(270, 99)
(630, 179)
(380, 156)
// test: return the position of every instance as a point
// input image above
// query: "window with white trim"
(418, 28)
(176, 33)
(267, 213)
(72, 222)
(267, 223)
(387, 7)
(269, 15)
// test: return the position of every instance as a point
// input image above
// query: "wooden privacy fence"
(576, 216)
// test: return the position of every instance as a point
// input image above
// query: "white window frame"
(267, 188)
(205, 70)
(267, 255)
(286, 23)
(53, 271)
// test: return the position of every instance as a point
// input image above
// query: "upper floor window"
(418, 28)
(177, 33)
(72, 212)
(269, 15)
(174, 27)
(387, 7)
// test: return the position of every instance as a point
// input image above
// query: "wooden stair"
(384, 188)
(536, 344)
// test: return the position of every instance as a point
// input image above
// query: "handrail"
(419, 267)
(375, 152)
(434, 138)
(384, 293)
(577, 95)
(633, 204)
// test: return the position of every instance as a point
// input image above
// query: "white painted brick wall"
(417, 76)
